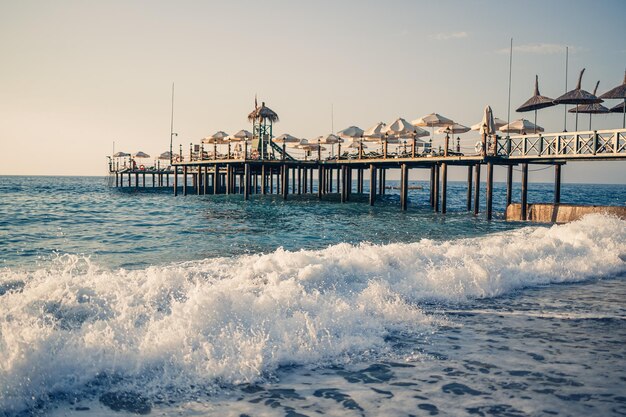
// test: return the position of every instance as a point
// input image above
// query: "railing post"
(594, 149)
(558, 145)
(540, 144)
(615, 142)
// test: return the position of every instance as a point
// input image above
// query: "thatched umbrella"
(521, 126)
(120, 155)
(595, 108)
(330, 140)
(167, 156)
(218, 137)
(578, 96)
(263, 113)
(141, 155)
(619, 108)
(536, 102)
(618, 92)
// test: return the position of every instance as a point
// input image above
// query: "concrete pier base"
(559, 213)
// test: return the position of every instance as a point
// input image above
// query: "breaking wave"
(75, 326)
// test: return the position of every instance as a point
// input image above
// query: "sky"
(77, 76)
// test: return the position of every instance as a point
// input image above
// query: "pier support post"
(432, 186)
(216, 179)
(175, 181)
(246, 181)
(320, 181)
(469, 187)
(489, 198)
(437, 188)
(299, 180)
(228, 179)
(271, 176)
(285, 182)
(199, 181)
(524, 191)
(311, 180)
(557, 184)
(129, 179)
(372, 184)
(444, 187)
(359, 180)
(305, 180)
(404, 186)
(344, 181)
(330, 180)
(263, 180)
(185, 180)
(476, 188)
(509, 184)
(293, 180)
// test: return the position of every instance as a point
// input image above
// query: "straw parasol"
(141, 154)
(578, 96)
(619, 108)
(536, 102)
(120, 155)
(595, 108)
(521, 126)
(263, 113)
(618, 92)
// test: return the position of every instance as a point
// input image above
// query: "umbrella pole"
(624, 116)
(576, 119)
(590, 121)
(535, 120)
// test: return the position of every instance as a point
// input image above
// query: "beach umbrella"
(375, 132)
(167, 155)
(141, 155)
(241, 135)
(432, 120)
(120, 155)
(330, 139)
(595, 108)
(351, 132)
(453, 129)
(578, 96)
(521, 126)
(286, 138)
(618, 92)
(402, 129)
(536, 102)
(218, 137)
(498, 123)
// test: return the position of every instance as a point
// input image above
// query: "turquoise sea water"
(209, 305)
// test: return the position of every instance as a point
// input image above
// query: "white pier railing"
(587, 144)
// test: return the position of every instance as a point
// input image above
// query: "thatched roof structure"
(578, 95)
(617, 92)
(537, 101)
(619, 108)
(594, 108)
(263, 113)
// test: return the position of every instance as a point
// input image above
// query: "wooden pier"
(247, 174)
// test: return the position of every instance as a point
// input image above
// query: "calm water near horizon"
(209, 305)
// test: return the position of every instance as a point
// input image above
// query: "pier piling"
(524, 201)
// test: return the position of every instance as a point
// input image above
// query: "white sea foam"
(231, 320)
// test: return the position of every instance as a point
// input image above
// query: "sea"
(133, 301)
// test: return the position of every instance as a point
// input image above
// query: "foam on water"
(77, 327)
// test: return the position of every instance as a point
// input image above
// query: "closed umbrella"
(578, 96)
(595, 108)
(536, 102)
(618, 92)
(521, 126)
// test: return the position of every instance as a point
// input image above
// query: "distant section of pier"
(244, 172)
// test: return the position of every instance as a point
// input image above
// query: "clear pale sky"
(77, 75)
